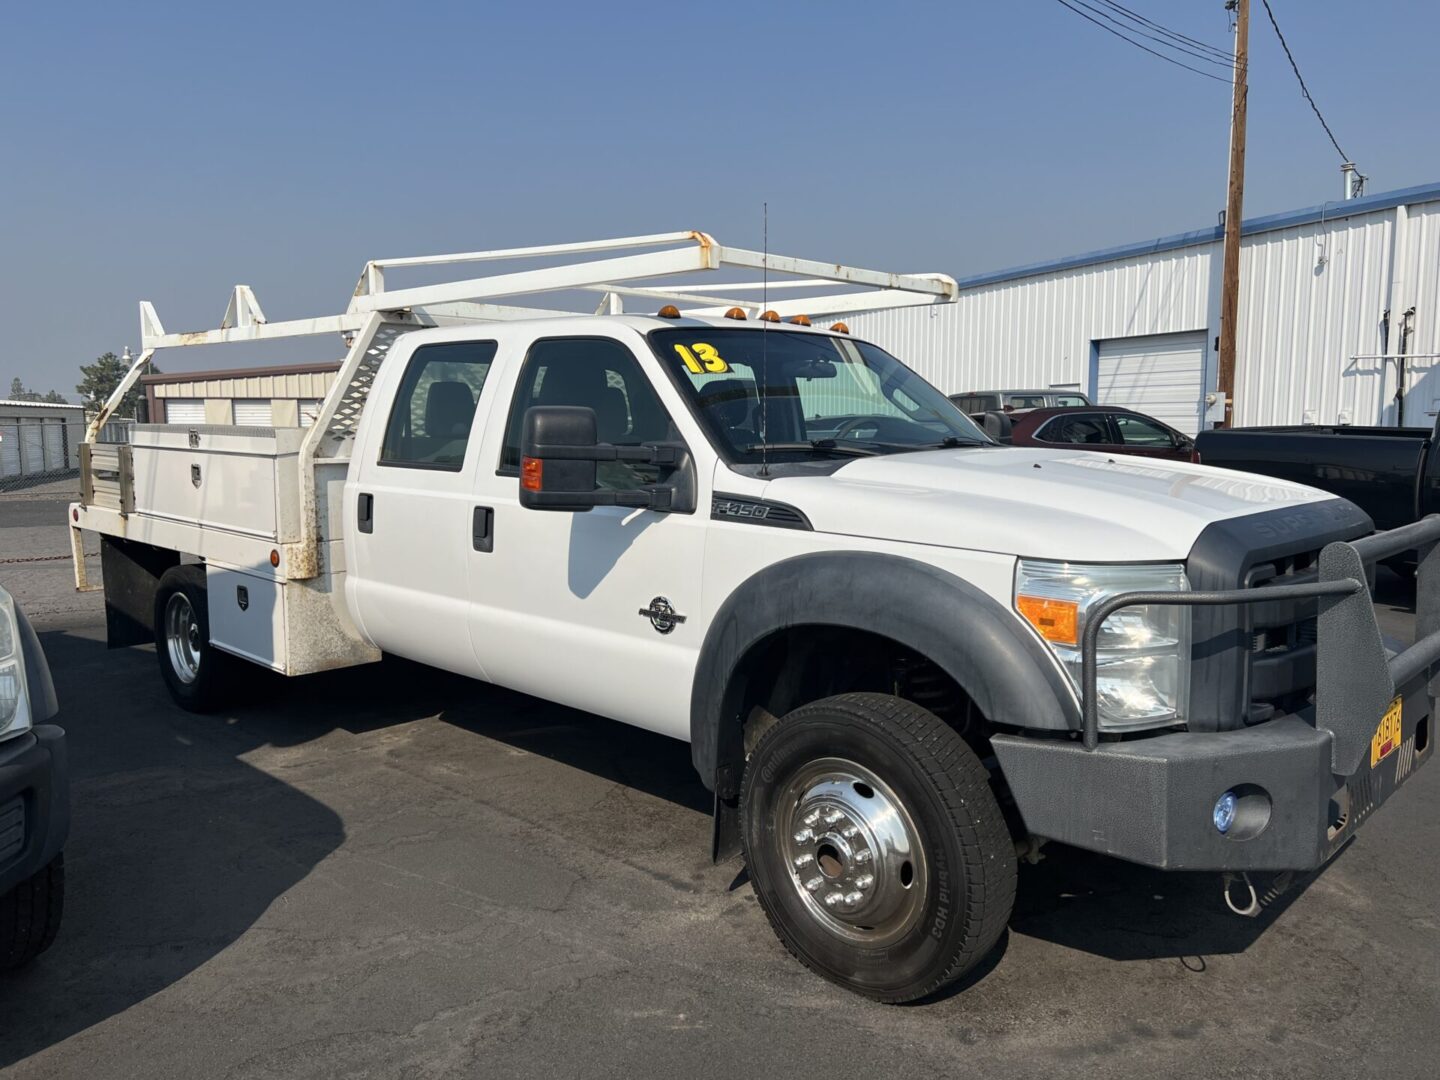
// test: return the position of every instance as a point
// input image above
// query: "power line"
(1138, 45)
(1223, 59)
(1136, 17)
(1303, 88)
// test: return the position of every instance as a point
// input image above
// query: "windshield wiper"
(954, 442)
(828, 446)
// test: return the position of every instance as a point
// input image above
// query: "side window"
(1075, 429)
(429, 425)
(603, 375)
(1138, 431)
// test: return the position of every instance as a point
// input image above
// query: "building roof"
(42, 404)
(1328, 211)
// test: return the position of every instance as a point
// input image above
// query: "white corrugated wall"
(1313, 296)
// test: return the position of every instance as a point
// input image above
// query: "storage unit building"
(287, 396)
(38, 439)
(1331, 297)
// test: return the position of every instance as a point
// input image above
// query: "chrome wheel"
(853, 852)
(182, 638)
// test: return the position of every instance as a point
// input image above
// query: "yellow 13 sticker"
(703, 360)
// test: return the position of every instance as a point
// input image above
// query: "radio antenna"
(764, 342)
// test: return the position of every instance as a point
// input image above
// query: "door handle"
(482, 528)
(365, 513)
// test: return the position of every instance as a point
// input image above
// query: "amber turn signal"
(532, 470)
(735, 313)
(669, 311)
(840, 328)
(1056, 620)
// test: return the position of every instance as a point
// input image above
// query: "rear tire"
(30, 915)
(195, 672)
(875, 845)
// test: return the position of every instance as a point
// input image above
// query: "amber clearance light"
(532, 470)
(1057, 620)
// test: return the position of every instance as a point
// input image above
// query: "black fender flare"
(1004, 668)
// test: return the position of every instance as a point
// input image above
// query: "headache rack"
(1355, 678)
(377, 315)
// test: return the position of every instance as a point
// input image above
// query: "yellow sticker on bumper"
(1386, 739)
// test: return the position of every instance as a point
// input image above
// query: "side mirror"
(558, 454)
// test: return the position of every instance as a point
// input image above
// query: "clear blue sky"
(167, 151)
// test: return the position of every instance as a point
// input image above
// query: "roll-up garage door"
(54, 438)
(253, 413)
(9, 448)
(1161, 375)
(181, 411)
(32, 446)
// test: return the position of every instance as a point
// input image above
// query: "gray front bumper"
(1150, 800)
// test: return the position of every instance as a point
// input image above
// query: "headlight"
(14, 710)
(1143, 654)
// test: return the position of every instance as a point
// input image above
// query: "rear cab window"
(434, 408)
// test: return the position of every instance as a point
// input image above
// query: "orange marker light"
(274, 557)
(532, 471)
(799, 320)
(735, 313)
(669, 311)
(1057, 620)
(840, 328)
(770, 316)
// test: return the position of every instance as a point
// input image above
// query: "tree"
(19, 393)
(54, 397)
(99, 381)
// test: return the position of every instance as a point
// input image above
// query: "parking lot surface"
(389, 871)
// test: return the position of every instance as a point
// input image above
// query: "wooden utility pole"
(1234, 207)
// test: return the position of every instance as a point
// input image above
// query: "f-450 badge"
(662, 615)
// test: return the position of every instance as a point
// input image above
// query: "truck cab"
(900, 651)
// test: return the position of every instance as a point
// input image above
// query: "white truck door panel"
(557, 604)
(411, 507)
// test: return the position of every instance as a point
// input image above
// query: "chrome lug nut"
(853, 898)
(850, 832)
(804, 836)
(803, 861)
(814, 883)
(863, 855)
(831, 899)
(864, 881)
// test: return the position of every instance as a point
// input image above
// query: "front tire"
(30, 915)
(195, 672)
(875, 845)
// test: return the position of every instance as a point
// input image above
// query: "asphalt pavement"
(393, 872)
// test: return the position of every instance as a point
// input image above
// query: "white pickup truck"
(901, 652)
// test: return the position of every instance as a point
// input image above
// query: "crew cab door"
(559, 604)
(408, 502)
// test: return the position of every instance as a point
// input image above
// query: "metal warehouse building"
(286, 396)
(38, 439)
(1330, 298)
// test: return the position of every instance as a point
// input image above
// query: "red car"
(1106, 429)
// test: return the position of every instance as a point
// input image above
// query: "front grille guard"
(1356, 679)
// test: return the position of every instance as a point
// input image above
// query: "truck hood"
(1044, 504)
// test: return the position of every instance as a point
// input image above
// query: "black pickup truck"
(1390, 473)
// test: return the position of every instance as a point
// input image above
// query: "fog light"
(1224, 813)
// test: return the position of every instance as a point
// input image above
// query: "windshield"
(806, 394)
